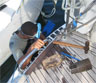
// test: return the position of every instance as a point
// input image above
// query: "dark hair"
(29, 28)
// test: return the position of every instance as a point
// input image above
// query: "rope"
(21, 4)
(52, 11)
(72, 5)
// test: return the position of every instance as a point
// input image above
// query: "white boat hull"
(28, 11)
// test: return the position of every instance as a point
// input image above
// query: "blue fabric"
(74, 23)
(48, 28)
(38, 31)
(80, 14)
(62, 53)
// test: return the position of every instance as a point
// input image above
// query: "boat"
(11, 19)
(77, 30)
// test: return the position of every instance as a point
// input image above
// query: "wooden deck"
(62, 74)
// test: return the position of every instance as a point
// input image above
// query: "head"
(28, 30)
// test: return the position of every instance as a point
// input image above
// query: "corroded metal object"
(81, 66)
(52, 61)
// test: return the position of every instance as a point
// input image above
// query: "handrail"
(31, 53)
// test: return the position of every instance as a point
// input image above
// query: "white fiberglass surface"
(2, 2)
(7, 13)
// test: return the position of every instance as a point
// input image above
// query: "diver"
(19, 39)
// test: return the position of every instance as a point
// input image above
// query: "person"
(18, 42)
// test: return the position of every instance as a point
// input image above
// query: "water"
(8, 67)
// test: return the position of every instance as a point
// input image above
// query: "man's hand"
(38, 44)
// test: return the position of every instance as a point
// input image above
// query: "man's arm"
(42, 37)
(38, 44)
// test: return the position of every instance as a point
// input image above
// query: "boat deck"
(62, 74)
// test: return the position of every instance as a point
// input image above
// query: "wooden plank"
(79, 35)
(93, 74)
(88, 77)
(66, 74)
(40, 76)
(47, 75)
(31, 78)
(82, 78)
(63, 76)
(57, 73)
(53, 75)
(35, 77)
(73, 76)
(60, 74)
